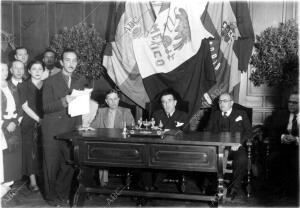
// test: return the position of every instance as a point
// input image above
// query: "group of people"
(34, 110)
(22, 111)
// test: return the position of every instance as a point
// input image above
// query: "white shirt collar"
(15, 82)
(227, 112)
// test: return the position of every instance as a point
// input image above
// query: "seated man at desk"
(232, 120)
(171, 118)
(112, 116)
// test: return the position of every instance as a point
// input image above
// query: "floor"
(20, 196)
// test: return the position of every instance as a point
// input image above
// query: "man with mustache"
(56, 98)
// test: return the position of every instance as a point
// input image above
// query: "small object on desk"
(86, 128)
(160, 124)
(140, 122)
(152, 122)
(124, 129)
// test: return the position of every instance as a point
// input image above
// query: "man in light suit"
(228, 119)
(56, 98)
(112, 116)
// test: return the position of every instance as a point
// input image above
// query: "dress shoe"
(33, 188)
(103, 184)
(58, 203)
(236, 194)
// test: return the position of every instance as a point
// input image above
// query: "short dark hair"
(68, 50)
(169, 91)
(49, 50)
(20, 47)
(35, 62)
(112, 91)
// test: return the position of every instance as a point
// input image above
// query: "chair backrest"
(248, 111)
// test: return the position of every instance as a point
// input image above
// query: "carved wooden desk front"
(195, 151)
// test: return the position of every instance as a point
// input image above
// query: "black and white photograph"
(140, 103)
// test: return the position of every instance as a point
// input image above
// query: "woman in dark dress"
(31, 100)
(10, 116)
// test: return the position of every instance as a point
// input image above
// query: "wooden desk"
(195, 151)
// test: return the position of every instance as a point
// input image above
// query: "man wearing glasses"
(228, 119)
(283, 162)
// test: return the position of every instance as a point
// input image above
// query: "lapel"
(118, 119)
(105, 116)
(285, 119)
(232, 116)
(63, 82)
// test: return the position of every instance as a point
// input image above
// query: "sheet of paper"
(81, 104)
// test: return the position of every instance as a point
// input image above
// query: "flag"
(133, 20)
(231, 47)
(175, 53)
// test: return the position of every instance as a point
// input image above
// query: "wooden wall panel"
(68, 14)
(8, 29)
(33, 28)
(265, 99)
(97, 13)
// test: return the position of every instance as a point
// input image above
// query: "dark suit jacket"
(235, 125)
(56, 119)
(278, 126)
(170, 123)
(122, 114)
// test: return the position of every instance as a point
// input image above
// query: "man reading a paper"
(56, 99)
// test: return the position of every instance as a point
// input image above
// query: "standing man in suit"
(112, 116)
(56, 98)
(21, 54)
(17, 71)
(49, 59)
(283, 161)
(232, 120)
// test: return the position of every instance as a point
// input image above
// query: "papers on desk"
(81, 104)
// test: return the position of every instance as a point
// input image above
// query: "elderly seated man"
(232, 120)
(283, 131)
(112, 116)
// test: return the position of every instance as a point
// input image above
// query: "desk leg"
(81, 193)
(220, 174)
(249, 172)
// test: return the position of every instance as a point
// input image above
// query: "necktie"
(294, 126)
(168, 115)
(225, 114)
(69, 82)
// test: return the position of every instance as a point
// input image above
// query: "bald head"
(17, 69)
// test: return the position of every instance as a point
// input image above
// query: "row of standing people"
(28, 104)
(21, 111)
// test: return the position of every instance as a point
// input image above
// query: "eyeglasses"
(292, 102)
(224, 101)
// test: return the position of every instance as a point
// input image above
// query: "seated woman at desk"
(112, 116)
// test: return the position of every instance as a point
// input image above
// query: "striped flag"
(133, 20)
(231, 47)
(197, 48)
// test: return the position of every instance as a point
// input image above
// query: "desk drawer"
(183, 157)
(115, 154)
